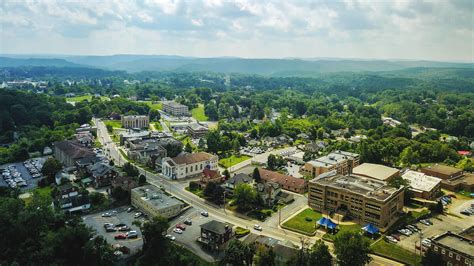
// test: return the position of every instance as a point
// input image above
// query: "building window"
(458, 258)
(443, 251)
(450, 254)
(436, 248)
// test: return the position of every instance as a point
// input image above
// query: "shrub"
(308, 219)
(240, 232)
(193, 185)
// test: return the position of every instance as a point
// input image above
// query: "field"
(396, 252)
(305, 221)
(199, 114)
(352, 227)
(153, 105)
(44, 192)
(232, 160)
(113, 123)
(83, 98)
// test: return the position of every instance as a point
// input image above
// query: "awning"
(330, 224)
(322, 221)
(370, 228)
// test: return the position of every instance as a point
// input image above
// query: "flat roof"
(443, 169)
(456, 242)
(333, 158)
(421, 181)
(368, 187)
(377, 171)
(156, 197)
(174, 104)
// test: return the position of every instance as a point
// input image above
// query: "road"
(221, 214)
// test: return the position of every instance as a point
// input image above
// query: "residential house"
(297, 185)
(215, 235)
(314, 147)
(236, 180)
(102, 173)
(268, 192)
(209, 175)
(69, 198)
(188, 165)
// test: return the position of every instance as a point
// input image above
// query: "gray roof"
(239, 179)
(216, 227)
(100, 169)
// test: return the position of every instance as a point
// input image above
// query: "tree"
(307, 156)
(432, 258)
(130, 169)
(112, 163)
(319, 254)
(351, 248)
(238, 254)
(266, 257)
(155, 115)
(256, 175)
(245, 196)
(235, 145)
(188, 148)
(141, 179)
(155, 245)
(438, 208)
(214, 192)
(226, 173)
(50, 168)
(97, 198)
(119, 193)
(201, 144)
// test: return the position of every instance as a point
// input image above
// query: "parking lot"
(190, 235)
(31, 182)
(96, 221)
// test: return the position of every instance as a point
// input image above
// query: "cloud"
(349, 28)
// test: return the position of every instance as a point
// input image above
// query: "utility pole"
(224, 201)
(279, 216)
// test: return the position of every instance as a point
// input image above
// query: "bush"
(193, 185)
(241, 232)
(308, 219)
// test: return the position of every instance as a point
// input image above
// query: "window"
(450, 254)
(436, 248)
(443, 251)
(458, 258)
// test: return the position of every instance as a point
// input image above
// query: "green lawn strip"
(124, 155)
(197, 192)
(395, 252)
(241, 232)
(153, 105)
(79, 98)
(113, 123)
(233, 160)
(199, 114)
(305, 221)
(415, 215)
(343, 227)
(158, 126)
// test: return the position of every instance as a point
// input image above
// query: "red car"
(121, 236)
(181, 226)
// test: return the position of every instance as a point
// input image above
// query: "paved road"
(200, 204)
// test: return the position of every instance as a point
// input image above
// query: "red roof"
(284, 180)
(210, 173)
(464, 153)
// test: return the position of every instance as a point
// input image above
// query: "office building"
(455, 249)
(376, 171)
(341, 161)
(135, 121)
(154, 202)
(423, 186)
(176, 109)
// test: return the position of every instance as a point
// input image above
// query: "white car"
(170, 237)
(426, 243)
(177, 231)
(107, 214)
(138, 214)
(258, 227)
(391, 239)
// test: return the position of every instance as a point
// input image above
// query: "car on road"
(391, 239)
(425, 222)
(181, 226)
(107, 214)
(170, 237)
(132, 234)
(188, 222)
(138, 215)
(120, 236)
(258, 227)
(177, 230)
(205, 213)
(130, 209)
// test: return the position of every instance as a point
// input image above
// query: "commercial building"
(154, 202)
(135, 121)
(423, 186)
(146, 151)
(176, 109)
(341, 161)
(215, 235)
(297, 185)
(188, 165)
(196, 130)
(376, 171)
(68, 152)
(366, 200)
(455, 249)
(442, 171)
(463, 182)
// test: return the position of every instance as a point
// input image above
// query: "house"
(152, 201)
(188, 165)
(215, 235)
(376, 171)
(69, 198)
(314, 147)
(268, 192)
(102, 173)
(297, 185)
(236, 180)
(68, 152)
(84, 138)
(127, 183)
(284, 251)
(209, 175)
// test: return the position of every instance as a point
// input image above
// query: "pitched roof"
(239, 179)
(100, 169)
(192, 158)
(216, 227)
(73, 149)
(284, 180)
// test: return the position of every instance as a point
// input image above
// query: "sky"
(431, 30)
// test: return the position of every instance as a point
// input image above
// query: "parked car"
(108, 225)
(170, 237)
(138, 215)
(110, 229)
(396, 236)
(123, 228)
(466, 212)
(177, 230)
(205, 213)
(120, 236)
(188, 222)
(391, 239)
(107, 214)
(426, 242)
(258, 227)
(130, 209)
(425, 222)
(132, 234)
(181, 226)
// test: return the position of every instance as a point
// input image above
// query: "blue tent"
(370, 228)
(330, 224)
(322, 221)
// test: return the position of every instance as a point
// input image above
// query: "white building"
(422, 185)
(154, 202)
(135, 121)
(175, 108)
(188, 165)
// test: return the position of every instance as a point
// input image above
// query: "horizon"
(414, 31)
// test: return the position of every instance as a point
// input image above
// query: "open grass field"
(84, 98)
(199, 114)
(343, 227)
(304, 221)
(390, 250)
(153, 105)
(113, 123)
(233, 160)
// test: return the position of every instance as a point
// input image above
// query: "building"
(269, 192)
(152, 201)
(455, 249)
(102, 173)
(188, 165)
(423, 186)
(341, 161)
(236, 180)
(442, 171)
(365, 199)
(133, 134)
(215, 235)
(127, 183)
(209, 175)
(69, 198)
(464, 182)
(297, 185)
(314, 147)
(176, 109)
(146, 151)
(135, 121)
(196, 130)
(284, 251)
(376, 171)
(68, 152)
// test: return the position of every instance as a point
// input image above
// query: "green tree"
(155, 246)
(245, 196)
(50, 168)
(319, 254)
(130, 169)
(155, 115)
(226, 173)
(119, 193)
(256, 175)
(97, 198)
(201, 144)
(266, 257)
(238, 254)
(431, 258)
(142, 179)
(188, 148)
(351, 248)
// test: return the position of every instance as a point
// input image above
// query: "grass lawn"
(158, 126)
(44, 192)
(396, 252)
(351, 227)
(197, 192)
(199, 114)
(233, 160)
(464, 193)
(83, 98)
(416, 215)
(153, 106)
(113, 123)
(305, 221)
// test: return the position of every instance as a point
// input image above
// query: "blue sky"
(436, 30)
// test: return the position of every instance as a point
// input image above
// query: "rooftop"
(174, 104)
(239, 179)
(333, 158)
(368, 187)
(134, 116)
(377, 171)
(135, 134)
(73, 149)
(216, 227)
(456, 242)
(156, 197)
(283, 180)
(443, 169)
(196, 126)
(420, 181)
(192, 158)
